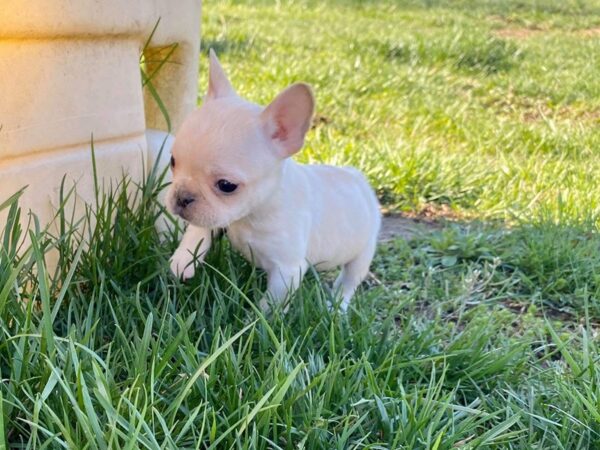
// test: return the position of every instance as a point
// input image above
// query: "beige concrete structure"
(69, 69)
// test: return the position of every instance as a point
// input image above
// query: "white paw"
(267, 305)
(264, 305)
(341, 306)
(182, 265)
(344, 306)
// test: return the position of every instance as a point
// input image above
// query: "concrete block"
(69, 69)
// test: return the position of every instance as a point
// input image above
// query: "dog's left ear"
(287, 119)
(218, 84)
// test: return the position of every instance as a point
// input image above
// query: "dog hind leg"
(353, 273)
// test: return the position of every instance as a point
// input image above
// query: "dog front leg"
(281, 282)
(193, 247)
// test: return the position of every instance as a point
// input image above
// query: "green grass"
(481, 333)
(432, 102)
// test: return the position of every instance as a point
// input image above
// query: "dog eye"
(172, 162)
(226, 187)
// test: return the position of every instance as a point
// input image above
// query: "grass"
(480, 333)
(462, 105)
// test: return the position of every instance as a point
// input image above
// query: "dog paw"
(342, 306)
(268, 306)
(182, 265)
(264, 305)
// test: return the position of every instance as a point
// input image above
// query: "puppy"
(232, 169)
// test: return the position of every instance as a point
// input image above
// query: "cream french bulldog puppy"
(232, 169)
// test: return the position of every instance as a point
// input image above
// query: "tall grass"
(476, 336)
(110, 351)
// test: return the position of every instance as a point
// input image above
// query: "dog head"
(228, 156)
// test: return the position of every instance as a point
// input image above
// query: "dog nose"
(184, 200)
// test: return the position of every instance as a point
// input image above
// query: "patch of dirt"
(407, 225)
(564, 113)
(433, 213)
(590, 32)
(509, 30)
(397, 226)
(533, 110)
(515, 29)
(517, 33)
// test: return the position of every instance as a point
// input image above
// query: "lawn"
(480, 330)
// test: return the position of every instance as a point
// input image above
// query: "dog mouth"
(200, 219)
(198, 215)
(183, 214)
(176, 210)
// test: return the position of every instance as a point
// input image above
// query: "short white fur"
(283, 216)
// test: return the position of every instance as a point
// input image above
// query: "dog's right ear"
(287, 119)
(218, 84)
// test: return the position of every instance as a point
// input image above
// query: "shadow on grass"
(544, 266)
(462, 51)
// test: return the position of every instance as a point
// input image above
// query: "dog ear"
(218, 84)
(287, 119)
